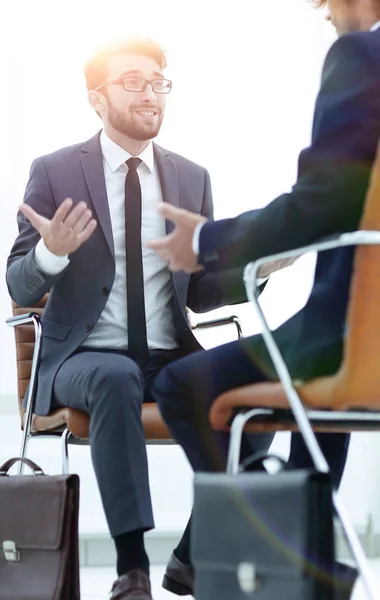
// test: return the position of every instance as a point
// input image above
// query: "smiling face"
(135, 115)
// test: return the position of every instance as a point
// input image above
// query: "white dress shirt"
(111, 329)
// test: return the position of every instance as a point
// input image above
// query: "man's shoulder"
(182, 163)
(352, 63)
(355, 47)
(68, 152)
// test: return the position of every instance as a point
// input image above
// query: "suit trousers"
(111, 388)
(186, 389)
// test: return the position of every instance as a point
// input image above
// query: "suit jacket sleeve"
(208, 291)
(333, 173)
(26, 283)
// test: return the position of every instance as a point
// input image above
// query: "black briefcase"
(39, 557)
(266, 537)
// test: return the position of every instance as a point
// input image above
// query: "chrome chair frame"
(300, 415)
(63, 433)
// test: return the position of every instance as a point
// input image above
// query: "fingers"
(75, 215)
(36, 220)
(161, 245)
(83, 221)
(68, 219)
(87, 231)
(170, 212)
(62, 212)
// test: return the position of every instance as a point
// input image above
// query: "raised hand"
(176, 248)
(67, 230)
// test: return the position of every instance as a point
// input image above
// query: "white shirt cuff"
(47, 262)
(196, 235)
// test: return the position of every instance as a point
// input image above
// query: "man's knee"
(118, 381)
(170, 394)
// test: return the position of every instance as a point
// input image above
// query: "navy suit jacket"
(79, 294)
(327, 198)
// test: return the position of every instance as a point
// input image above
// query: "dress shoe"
(135, 585)
(178, 578)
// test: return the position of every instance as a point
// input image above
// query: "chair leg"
(356, 548)
(352, 537)
(236, 433)
(23, 449)
(65, 452)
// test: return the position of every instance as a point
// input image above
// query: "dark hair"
(95, 69)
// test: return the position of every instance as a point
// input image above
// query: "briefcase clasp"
(247, 577)
(10, 551)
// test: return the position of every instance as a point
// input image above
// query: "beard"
(129, 124)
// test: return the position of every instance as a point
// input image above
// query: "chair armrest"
(24, 319)
(233, 320)
(355, 238)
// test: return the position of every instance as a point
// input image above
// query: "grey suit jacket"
(79, 294)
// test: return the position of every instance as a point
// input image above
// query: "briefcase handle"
(29, 463)
(258, 458)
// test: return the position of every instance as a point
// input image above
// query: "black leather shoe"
(135, 585)
(178, 578)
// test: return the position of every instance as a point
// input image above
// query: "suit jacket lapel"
(168, 174)
(170, 193)
(92, 164)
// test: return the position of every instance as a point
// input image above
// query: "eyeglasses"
(138, 84)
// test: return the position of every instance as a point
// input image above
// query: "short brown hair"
(318, 3)
(95, 70)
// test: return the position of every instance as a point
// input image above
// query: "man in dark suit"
(115, 314)
(327, 198)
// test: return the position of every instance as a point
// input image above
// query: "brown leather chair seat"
(76, 421)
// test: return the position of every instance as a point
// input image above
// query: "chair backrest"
(24, 335)
(358, 380)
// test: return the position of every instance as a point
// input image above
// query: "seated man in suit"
(115, 314)
(327, 198)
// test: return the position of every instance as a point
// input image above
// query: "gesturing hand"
(67, 230)
(176, 248)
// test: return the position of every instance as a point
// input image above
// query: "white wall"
(245, 78)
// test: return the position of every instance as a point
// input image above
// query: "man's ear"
(97, 101)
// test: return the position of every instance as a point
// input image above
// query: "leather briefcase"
(39, 554)
(266, 537)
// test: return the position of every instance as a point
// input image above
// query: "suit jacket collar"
(92, 164)
(168, 174)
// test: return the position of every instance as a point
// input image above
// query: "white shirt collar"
(116, 156)
(375, 26)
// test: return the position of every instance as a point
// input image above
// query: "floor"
(96, 583)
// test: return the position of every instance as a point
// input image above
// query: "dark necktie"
(137, 342)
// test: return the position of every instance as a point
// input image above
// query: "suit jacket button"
(89, 326)
(105, 291)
